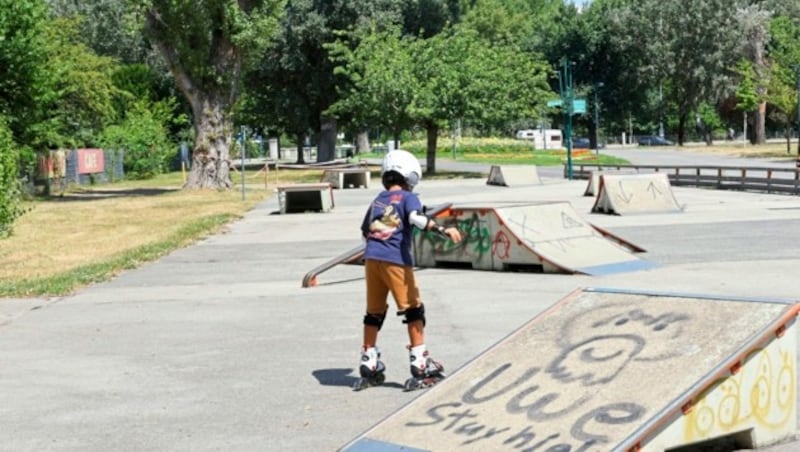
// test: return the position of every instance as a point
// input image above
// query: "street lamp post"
(567, 96)
(661, 110)
(797, 70)
(597, 87)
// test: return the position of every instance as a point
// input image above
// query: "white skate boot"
(371, 369)
(425, 371)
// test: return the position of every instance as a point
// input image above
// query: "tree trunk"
(396, 139)
(682, 128)
(744, 128)
(362, 142)
(593, 144)
(326, 146)
(300, 148)
(211, 155)
(759, 119)
(433, 134)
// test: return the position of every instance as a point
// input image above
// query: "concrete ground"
(217, 347)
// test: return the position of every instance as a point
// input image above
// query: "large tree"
(784, 51)
(382, 84)
(107, 26)
(396, 81)
(23, 64)
(23, 56)
(754, 22)
(205, 45)
(691, 48)
(297, 73)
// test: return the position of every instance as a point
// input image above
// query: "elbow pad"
(418, 220)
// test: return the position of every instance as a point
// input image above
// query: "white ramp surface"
(623, 194)
(610, 370)
(513, 175)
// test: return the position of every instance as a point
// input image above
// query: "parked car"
(580, 143)
(655, 140)
(583, 143)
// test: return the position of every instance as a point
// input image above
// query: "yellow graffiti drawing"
(761, 394)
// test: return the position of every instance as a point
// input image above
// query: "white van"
(542, 138)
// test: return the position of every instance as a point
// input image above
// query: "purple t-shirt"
(387, 229)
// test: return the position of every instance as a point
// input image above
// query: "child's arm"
(423, 222)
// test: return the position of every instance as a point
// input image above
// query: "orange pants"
(384, 277)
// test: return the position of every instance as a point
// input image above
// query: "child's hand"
(454, 234)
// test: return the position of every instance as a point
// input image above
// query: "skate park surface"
(217, 346)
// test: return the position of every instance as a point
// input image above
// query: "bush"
(10, 193)
(467, 145)
(144, 136)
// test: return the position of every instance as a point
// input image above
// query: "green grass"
(502, 151)
(66, 282)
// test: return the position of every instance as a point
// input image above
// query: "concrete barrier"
(298, 198)
(347, 177)
(512, 176)
(615, 370)
(635, 193)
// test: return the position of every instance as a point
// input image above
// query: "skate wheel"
(380, 378)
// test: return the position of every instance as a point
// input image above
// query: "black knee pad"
(415, 314)
(375, 319)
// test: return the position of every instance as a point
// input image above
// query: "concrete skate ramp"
(594, 179)
(624, 194)
(550, 237)
(513, 176)
(611, 370)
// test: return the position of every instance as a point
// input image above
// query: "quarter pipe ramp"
(611, 370)
(549, 237)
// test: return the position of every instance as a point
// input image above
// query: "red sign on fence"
(90, 161)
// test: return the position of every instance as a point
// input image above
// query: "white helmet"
(404, 163)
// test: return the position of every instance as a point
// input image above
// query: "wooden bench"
(347, 177)
(298, 198)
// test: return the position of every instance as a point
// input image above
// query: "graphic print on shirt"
(386, 221)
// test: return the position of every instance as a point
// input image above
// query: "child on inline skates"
(388, 267)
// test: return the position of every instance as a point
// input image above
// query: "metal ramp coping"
(614, 370)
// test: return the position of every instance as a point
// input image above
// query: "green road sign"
(578, 105)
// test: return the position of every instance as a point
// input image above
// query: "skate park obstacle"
(616, 370)
(299, 198)
(549, 237)
(623, 194)
(342, 178)
(513, 175)
(594, 179)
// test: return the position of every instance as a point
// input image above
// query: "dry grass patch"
(767, 150)
(91, 234)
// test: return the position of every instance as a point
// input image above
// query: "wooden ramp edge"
(615, 370)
